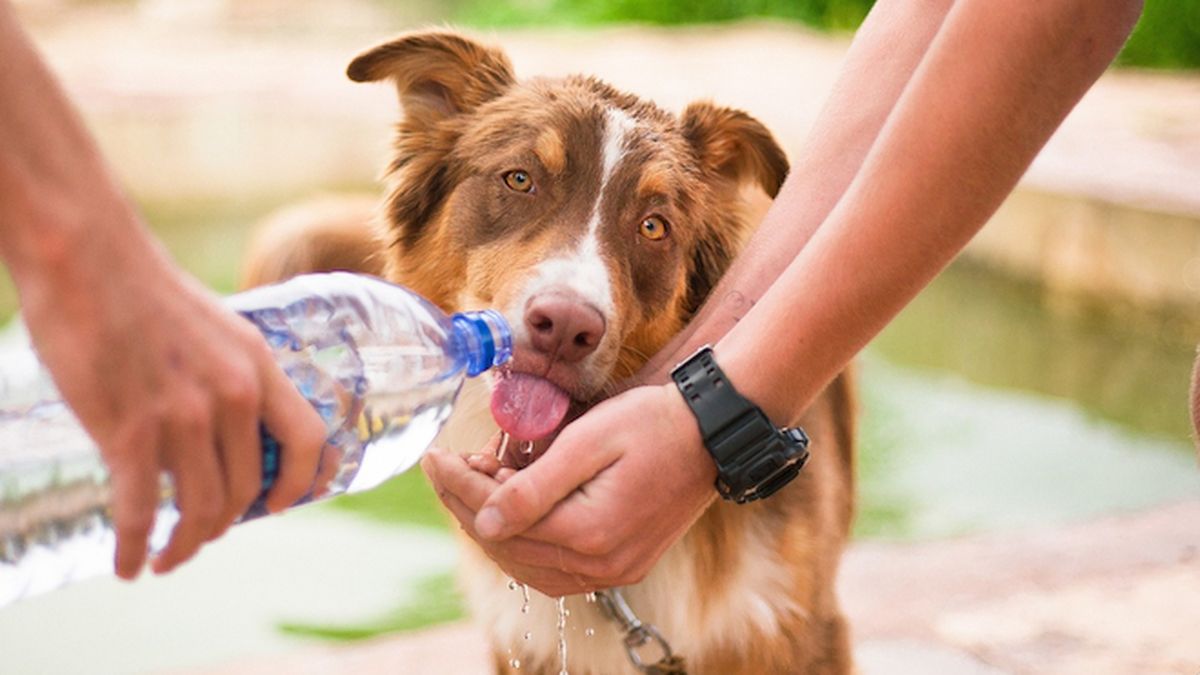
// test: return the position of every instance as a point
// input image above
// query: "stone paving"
(1120, 595)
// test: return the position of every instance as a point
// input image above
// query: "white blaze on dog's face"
(595, 221)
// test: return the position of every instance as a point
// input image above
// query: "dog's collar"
(636, 635)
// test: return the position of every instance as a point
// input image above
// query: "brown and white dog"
(597, 223)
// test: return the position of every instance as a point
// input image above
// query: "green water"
(987, 405)
(1131, 369)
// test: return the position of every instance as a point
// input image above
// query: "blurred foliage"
(407, 498)
(1167, 36)
(435, 600)
(831, 14)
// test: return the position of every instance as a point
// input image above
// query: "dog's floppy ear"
(438, 74)
(734, 145)
(734, 149)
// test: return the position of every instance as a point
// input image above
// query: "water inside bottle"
(563, 613)
(50, 506)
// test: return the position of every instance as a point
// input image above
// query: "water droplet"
(590, 596)
(502, 448)
(525, 609)
(562, 635)
(589, 632)
(528, 635)
(515, 663)
(566, 612)
(512, 585)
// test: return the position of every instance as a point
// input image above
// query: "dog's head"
(595, 221)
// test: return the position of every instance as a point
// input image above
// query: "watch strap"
(713, 400)
(754, 458)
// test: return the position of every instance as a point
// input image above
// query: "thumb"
(528, 496)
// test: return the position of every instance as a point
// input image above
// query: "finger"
(504, 474)
(135, 490)
(191, 458)
(241, 459)
(527, 497)
(331, 463)
(429, 466)
(484, 463)
(454, 475)
(291, 420)
(533, 563)
(515, 550)
(464, 491)
(492, 447)
(524, 552)
(430, 470)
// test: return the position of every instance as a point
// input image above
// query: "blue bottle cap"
(486, 337)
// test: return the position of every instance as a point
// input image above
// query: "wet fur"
(749, 589)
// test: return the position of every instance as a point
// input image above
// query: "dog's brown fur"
(454, 234)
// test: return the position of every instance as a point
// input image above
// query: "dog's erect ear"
(437, 74)
(733, 144)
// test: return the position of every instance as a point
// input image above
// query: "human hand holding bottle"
(162, 377)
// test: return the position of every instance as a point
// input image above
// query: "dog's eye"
(519, 180)
(653, 228)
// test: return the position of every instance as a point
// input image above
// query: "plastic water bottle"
(380, 364)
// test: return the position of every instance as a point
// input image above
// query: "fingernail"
(489, 523)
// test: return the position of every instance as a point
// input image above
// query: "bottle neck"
(486, 339)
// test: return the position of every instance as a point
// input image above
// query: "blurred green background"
(1167, 36)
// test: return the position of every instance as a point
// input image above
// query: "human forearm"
(56, 193)
(995, 83)
(880, 61)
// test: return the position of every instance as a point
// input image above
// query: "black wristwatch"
(754, 457)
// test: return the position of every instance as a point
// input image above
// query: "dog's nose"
(563, 326)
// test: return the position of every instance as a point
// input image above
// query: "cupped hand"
(165, 379)
(613, 492)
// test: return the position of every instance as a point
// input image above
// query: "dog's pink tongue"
(528, 407)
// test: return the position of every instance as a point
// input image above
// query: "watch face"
(779, 462)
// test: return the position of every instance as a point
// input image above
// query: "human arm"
(160, 375)
(997, 81)
(886, 50)
(994, 83)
